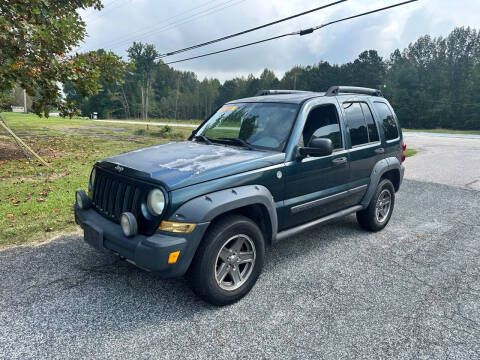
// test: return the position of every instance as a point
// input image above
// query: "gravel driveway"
(336, 292)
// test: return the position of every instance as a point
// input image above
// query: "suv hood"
(187, 163)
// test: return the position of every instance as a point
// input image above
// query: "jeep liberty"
(257, 171)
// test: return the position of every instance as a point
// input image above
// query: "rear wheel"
(377, 215)
(228, 261)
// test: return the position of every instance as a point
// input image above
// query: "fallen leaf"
(10, 215)
(71, 221)
(40, 200)
(48, 229)
(25, 213)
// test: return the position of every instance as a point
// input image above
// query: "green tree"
(36, 38)
(6, 99)
(143, 57)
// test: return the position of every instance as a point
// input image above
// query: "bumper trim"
(146, 252)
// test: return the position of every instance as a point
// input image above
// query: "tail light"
(404, 147)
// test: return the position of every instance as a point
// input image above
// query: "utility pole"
(295, 81)
(176, 98)
(24, 101)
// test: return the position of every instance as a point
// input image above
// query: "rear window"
(387, 120)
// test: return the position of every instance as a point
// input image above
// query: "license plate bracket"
(93, 236)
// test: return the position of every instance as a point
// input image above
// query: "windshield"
(259, 125)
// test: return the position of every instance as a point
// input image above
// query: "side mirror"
(317, 148)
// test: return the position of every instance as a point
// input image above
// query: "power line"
(162, 24)
(250, 30)
(207, 12)
(300, 32)
(190, 18)
(163, 21)
(233, 48)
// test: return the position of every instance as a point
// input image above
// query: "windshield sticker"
(227, 108)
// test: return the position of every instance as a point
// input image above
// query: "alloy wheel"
(383, 206)
(235, 262)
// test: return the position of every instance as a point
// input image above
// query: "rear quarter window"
(356, 123)
(387, 120)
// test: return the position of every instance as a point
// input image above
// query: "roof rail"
(336, 90)
(280, 92)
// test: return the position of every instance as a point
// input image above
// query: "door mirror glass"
(317, 148)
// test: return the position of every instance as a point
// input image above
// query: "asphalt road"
(445, 160)
(133, 122)
(411, 291)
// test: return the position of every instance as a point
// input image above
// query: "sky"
(174, 24)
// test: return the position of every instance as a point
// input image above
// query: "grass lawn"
(444, 131)
(35, 208)
(410, 152)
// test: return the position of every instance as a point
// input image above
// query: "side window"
(372, 127)
(323, 122)
(356, 123)
(388, 121)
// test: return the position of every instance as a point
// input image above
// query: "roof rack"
(337, 90)
(280, 92)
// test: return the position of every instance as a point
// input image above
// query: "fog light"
(129, 224)
(83, 200)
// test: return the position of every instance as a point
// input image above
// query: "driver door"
(317, 186)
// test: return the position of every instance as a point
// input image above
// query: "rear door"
(365, 147)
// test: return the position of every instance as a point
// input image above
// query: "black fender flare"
(207, 207)
(380, 168)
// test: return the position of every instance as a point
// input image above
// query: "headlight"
(156, 202)
(92, 176)
(83, 200)
(91, 182)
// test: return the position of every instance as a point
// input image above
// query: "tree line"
(432, 83)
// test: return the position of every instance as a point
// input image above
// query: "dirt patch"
(91, 132)
(109, 128)
(10, 151)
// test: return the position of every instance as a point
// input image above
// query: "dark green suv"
(257, 171)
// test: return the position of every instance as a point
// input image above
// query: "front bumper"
(147, 252)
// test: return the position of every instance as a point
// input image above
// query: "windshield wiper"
(240, 141)
(204, 139)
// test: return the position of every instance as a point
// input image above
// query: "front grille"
(112, 196)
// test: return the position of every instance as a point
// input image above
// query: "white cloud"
(151, 21)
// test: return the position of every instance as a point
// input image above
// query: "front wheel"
(228, 261)
(377, 215)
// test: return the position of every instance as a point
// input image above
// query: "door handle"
(380, 150)
(340, 160)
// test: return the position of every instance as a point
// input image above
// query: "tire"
(233, 249)
(375, 218)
